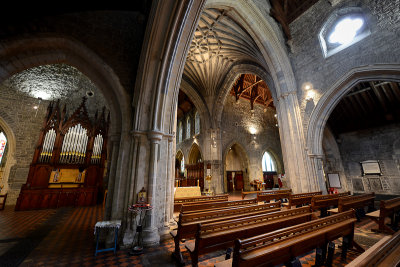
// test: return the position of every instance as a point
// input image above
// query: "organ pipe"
(48, 145)
(73, 149)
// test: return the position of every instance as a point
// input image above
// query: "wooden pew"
(284, 245)
(356, 202)
(302, 199)
(323, 202)
(386, 252)
(203, 199)
(187, 223)
(387, 208)
(275, 194)
(221, 235)
(185, 208)
(245, 193)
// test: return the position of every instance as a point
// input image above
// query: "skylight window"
(342, 29)
(345, 30)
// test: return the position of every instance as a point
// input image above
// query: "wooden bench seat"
(221, 235)
(202, 199)
(187, 223)
(386, 252)
(387, 208)
(273, 195)
(282, 246)
(195, 207)
(302, 199)
(245, 193)
(324, 202)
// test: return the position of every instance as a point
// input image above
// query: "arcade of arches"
(238, 92)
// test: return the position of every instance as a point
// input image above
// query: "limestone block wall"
(238, 121)
(18, 113)
(309, 63)
(382, 144)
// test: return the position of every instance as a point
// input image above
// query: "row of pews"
(264, 234)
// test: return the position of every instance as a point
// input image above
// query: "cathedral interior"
(200, 133)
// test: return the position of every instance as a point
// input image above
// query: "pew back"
(194, 207)
(356, 202)
(270, 195)
(178, 202)
(325, 201)
(283, 245)
(302, 199)
(384, 253)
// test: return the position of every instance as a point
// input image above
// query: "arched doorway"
(236, 168)
(195, 167)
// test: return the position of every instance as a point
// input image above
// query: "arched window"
(268, 164)
(180, 132)
(3, 144)
(188, 127)
(343, 29)
(197, 123)
(183, 164)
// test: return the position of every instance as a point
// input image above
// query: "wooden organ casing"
(74, 147)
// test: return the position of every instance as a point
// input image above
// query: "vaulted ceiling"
(254, 89)
(219, 42)
(367, 105)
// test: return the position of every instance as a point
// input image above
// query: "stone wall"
(17, 111)
(237, 123)
(382, 144)
(309, 63)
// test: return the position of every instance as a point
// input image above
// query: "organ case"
(68, 163)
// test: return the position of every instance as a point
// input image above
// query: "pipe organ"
(69, 161)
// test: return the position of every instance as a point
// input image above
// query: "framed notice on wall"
(334, 180)
(370, 167)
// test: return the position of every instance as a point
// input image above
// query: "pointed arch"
(327, 104)
(230, 79)
(194, 154)
(11, 144)
(245, 163)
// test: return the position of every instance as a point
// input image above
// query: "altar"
(187, 191)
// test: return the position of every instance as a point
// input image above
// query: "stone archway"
(238, 149)
(27, 52)
(194, 154)
(11, 144)
(328, 102)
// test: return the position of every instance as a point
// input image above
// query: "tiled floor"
(64, 237)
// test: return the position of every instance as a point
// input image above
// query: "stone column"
(169, 202)
(292, 142)
(150, 232)
(115, 140)
(319, 180)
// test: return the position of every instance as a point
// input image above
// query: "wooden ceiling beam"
(379, 96)
(396, 90)
(250, 86)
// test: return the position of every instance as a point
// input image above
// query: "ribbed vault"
(218, 43)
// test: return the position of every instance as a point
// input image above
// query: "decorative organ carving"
(68, 164)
